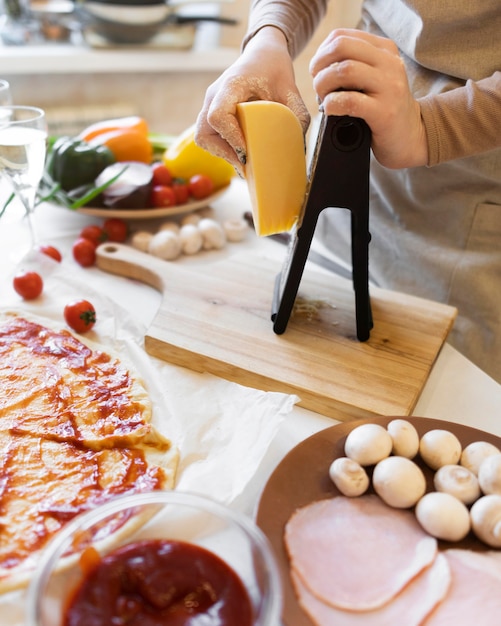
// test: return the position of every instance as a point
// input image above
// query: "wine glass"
(5, 93)
(23, 135)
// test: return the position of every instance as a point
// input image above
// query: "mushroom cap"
(439, 447)
(349, 476)
(459, 481)
(398, 481)
(489, 474)
(141, 240)
(165, 244)
(368, 444)
(405, 438)
(443, 516)
(213, 234)
(486, 519)
(474, 453)
(191, 238)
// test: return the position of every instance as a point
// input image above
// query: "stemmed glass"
(5, 93)
(23, 135)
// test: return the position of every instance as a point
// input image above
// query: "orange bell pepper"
(126, 144)
(132, 122)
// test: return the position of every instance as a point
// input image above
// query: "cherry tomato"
(28, 284)
(163, 196)
(80, 315)
(161, 174)
(84, 252)
(201, 186)
(52, 252)
(181, 191)
(116, 229)
(93, 233)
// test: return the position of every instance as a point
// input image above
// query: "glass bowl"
(171, 516)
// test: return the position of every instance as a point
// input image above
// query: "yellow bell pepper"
(184, 159)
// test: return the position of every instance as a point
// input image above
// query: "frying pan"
(134, 22)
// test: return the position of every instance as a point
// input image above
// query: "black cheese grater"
(338, 177)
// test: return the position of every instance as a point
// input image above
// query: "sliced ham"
(474, 596)
(356, 553)
(414, 602)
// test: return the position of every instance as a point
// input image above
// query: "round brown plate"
(141, 214)
(303, 477)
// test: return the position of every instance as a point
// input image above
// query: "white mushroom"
(486, 519)
(475, 452)
(206, 212)
(235, 229)
(213, 234)
(166, 245)
(173, 226)
(191, 239)
(443, 516)
(399, 482)
(141, 240)
(439, 447)
(458, 481)
(192, 218)
(368, 444)
(349, 477)
(489, 474)
(405, 438)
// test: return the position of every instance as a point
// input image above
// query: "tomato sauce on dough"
(158, 583)
(74, 432)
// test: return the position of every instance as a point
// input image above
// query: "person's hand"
(362, 75)
(264, 71)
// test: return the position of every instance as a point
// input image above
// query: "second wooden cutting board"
(216, 318)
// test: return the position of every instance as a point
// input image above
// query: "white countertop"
(456, 390)
(68, 59)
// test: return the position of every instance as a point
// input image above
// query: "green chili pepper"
(73, 162)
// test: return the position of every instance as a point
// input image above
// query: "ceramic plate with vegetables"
(118, 168)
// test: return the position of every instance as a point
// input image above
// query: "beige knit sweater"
(436, 231)
(453, 44)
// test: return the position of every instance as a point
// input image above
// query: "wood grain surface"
(216, 317)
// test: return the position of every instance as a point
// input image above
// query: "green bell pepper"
(73, 163)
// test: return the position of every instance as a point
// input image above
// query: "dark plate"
(303, 477)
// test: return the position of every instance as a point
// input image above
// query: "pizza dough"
(75, 431)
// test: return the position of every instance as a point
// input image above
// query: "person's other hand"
(264, 71)
(362, 75)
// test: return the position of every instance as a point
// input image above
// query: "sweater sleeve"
(463, 121)
(297, 19)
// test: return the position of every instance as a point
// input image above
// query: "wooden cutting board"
(216, 317)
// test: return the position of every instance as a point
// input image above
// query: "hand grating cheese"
(276, 165)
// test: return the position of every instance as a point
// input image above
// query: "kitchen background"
(56, 58)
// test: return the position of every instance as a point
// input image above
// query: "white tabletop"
(456, 390)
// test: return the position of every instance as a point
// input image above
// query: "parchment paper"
(222, 429)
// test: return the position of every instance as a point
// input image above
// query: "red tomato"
(52, 252)
(201, 186)
(29, 285)
(116, 229)
(181, 191)
(84, 252)
(161, 174)
(163, 196)
(93, 233)
(80, 315)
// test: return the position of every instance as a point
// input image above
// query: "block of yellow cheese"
(276, 164)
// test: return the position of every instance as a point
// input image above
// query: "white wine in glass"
(5, 93)
(23, 138)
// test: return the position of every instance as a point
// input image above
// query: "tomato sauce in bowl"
(171, 558)
(157, 582)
